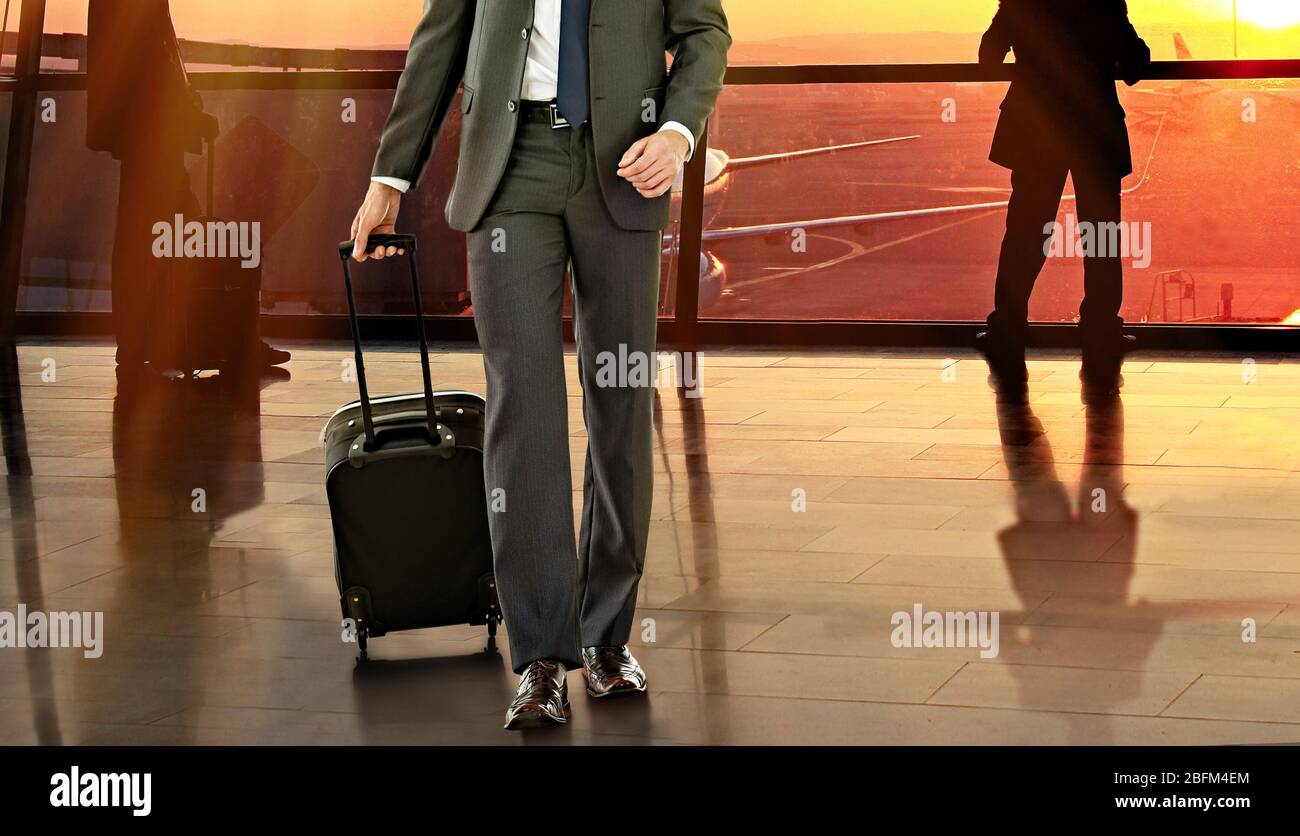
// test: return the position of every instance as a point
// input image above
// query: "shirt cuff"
(401, 185)
(684, 131)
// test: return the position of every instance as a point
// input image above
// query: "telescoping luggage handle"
(405, 242)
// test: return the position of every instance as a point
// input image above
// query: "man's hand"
(651, 165)
(377, 215)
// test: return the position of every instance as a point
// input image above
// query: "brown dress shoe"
(542, 699)
(612, 672)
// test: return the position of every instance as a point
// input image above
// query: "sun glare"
(1271, 14)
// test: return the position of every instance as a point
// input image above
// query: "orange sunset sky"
(1271, 28)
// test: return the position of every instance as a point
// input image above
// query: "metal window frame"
(685, 326)
(24, 86)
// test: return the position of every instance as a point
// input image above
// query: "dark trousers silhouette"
(1035, 201)
(154, 187)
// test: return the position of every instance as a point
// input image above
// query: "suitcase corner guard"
(357, 606)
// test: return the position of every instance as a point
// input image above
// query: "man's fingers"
(642, 165)
(377, 216)
(654, 175)
(643, 172)
(666, 179)
(656, 182)
(366, 225)
(635, 151)
(636, 159)
(655, 187)
(362, 240)
(659, 172)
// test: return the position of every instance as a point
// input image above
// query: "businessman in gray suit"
(574, 132)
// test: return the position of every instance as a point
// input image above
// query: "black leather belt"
(547, 113)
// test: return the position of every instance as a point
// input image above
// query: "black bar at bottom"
(978, 784)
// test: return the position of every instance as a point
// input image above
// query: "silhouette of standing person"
(142, 109)
(1062, 116)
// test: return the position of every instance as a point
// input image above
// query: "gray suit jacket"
(483, 44)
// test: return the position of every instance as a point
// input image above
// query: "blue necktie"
(574, 98)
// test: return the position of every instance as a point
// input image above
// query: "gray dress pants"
(559, 595)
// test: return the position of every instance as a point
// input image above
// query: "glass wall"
(903, 224)
(63, 50)
(6, 103)
(766, 32)
(295, 162)
(948, 31)
(287, 35)
(910, 230)
(286, 160)
(8, 35)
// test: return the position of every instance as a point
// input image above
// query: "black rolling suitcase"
(213, 308)
(404, 478)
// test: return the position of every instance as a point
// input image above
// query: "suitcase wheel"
(356, 605)
(490, 606)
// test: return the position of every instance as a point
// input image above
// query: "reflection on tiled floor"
(800, 503)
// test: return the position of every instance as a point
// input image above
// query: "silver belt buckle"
(557, 119)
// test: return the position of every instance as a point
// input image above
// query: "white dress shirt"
(542, 74)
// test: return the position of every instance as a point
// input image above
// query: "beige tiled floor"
(760, 623)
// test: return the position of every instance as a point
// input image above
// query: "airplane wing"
(760, 230)
(734, 163)
(850, 220)
(763, 230)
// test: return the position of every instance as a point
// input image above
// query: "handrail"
(17, 160)
(386, 79)
(72, 46)
(969, 73)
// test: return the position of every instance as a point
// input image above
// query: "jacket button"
(524, 34)
(512, 107)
